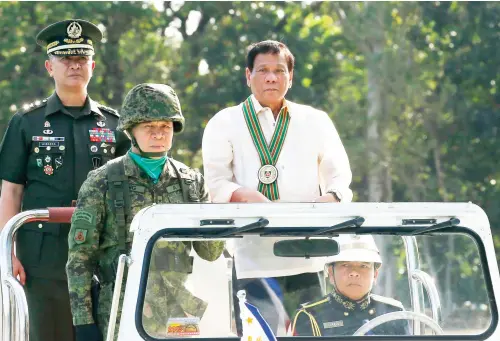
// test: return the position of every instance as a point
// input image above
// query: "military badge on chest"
(102, 144)
(48, 169)
(49, 150)
(102, 134)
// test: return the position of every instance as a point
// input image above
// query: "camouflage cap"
(151, 102)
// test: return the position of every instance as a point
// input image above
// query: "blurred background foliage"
(411, 86)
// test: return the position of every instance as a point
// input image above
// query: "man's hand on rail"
(18, 269)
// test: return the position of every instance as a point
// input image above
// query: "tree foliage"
(428, 72)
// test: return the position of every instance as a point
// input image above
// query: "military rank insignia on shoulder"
(387, 300)
(28, 107)
(108, 109)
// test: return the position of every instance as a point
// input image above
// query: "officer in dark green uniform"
(46, 153)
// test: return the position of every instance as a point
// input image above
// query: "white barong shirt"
(312, 162)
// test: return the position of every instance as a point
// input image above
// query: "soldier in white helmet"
(352, 272)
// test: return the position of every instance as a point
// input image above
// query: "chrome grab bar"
(15, 318)
(20, 306)
(115, 303)
(429, 285)
(229, 276)
(416, 290)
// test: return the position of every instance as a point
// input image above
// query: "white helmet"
(356, 248)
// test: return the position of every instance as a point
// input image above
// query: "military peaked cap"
(73, 37)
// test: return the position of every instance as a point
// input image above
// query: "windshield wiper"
(311, 231)
(440, 226)
(262, 222)
(350, 226)
(356, 222)
(215, 232)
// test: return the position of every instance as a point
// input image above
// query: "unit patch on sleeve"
(83, 216)
(80, 236)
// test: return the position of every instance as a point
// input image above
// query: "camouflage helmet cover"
(151, 102)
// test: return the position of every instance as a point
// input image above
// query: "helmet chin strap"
(144, 154)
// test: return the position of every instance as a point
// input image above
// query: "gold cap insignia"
(74, 30)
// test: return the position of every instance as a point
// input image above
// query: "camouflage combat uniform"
(94, 238)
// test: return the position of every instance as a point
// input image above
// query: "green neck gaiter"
(152, 167)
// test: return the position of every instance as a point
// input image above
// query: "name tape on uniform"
(48, 144)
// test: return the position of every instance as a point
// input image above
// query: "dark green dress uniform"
(335, 315)
(49, 149)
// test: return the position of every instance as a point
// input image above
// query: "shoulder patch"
(80, 236)
(387, 300)
(108, 110)
(83, 216)
(26, 108)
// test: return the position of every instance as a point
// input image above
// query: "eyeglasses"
(68, 60)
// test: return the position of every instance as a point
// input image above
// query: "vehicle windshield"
(431, 284)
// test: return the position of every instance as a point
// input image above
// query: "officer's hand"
(18, 269)
(326, 198)
(88, 332)
(248, 195)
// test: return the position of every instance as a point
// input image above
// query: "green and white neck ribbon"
(268, 154)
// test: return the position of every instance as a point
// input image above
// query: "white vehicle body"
(210, 281)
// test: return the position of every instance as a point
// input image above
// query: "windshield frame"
(211, 233)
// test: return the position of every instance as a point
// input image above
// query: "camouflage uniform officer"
(150, 115)
(47, 151)
(351, 304)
